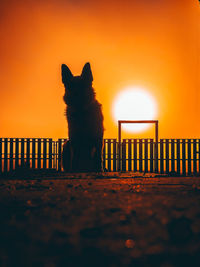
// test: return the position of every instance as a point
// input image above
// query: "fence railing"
(179, 156)
(27, 152)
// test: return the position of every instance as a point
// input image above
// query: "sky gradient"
(153, 44)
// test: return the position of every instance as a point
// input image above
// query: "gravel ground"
(100, 222)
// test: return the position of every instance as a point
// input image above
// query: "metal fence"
(179, 156)
(27, 152)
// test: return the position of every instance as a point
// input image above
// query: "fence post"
(199, 155)
(50, 154)
(16, 153)
(161, 156)
(189, 156)
(33, 153)
(151, 155)
(22, 151)
(104, 154)
(129, 155)
(124, 155)
(114, 155)
(194, 155)
(1, 155)
(109, 155)
(167, 155)
(172, 156)
(44, 153)
(183, 158)
(6, 154)
(178, 155)
(119, 146)
(140, 155)
(156, 148)
(39, 153)
(28, 152)
(59, 153)
(146, 155)
(135, 155)
(55, 154)
(11, 154)
(156, 156)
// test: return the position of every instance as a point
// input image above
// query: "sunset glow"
(134, 103)
(152, 44)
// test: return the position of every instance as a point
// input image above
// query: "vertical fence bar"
(189, 156)
(28, 152)
(6, 154)
(33, 153)
(50, 153)
(167, 155)
(161, 157)
(22, 152)
(146, 155)
(156, 156)
(59, 153)
(11, 154)
(178, 156)
(172, 156)
(151, 155)
(16, 153)
(135, 155)
(156, 148)
(183, 158)
(104, 154)
(124, 155)
(119, 146)
(129, 155)
(114, 155)
(140, 155)
(109, 155)
(55, 154)
(39, 154)
(198, 170)
(197, 156)
(1, 155)
(44, 153)
(194, 155)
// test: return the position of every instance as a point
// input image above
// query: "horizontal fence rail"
(176, 156)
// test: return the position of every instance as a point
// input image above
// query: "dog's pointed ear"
(87, 73)
(66, 74)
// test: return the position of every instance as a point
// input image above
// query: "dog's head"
(78, 89)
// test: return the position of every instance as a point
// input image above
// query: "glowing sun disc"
(134, 104)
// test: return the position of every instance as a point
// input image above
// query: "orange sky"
(148, 43)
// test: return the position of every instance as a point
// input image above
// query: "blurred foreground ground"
(100, 222)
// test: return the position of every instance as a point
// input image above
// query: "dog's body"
(83, 151)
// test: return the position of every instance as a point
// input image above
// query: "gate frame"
(138, 121)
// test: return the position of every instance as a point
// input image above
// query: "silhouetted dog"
(83, 151)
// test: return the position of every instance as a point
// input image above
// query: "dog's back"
(83, 152)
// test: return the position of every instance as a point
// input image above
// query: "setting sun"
(134, 103)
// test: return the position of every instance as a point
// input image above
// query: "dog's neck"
(81, 108)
